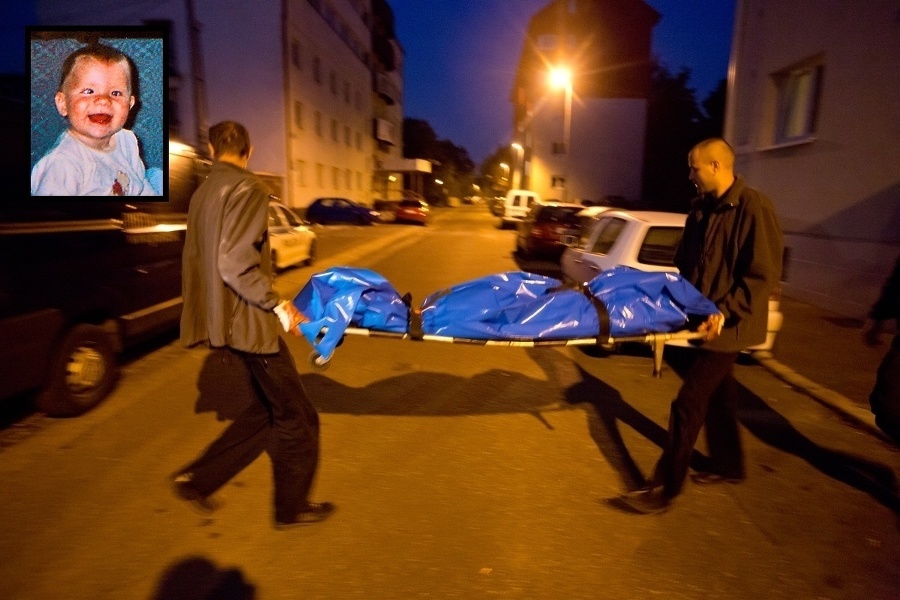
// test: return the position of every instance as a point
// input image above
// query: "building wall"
(330, 101)
(607, 143)
(244, 76)
(607, 44)
(838, 190)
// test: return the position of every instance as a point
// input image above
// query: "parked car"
(516, 205)
(645, 240)
(546, 227)
(411, 210)
(292, 242)
(587, 215)
(340, 210)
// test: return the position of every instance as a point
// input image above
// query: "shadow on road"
(197, 578)
(608, 410)
(875, 479)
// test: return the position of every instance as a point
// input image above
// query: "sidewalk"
(823, 354)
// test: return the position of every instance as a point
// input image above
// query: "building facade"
(584, 138)
(324, 111)
(813, 112)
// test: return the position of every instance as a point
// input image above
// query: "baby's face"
(96, 99)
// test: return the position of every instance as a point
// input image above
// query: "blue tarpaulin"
(514, 305)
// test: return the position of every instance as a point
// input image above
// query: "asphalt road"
(458, 471)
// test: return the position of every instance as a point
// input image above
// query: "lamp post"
(519, 165)
(561, 77)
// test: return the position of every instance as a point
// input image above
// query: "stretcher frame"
(657, 342)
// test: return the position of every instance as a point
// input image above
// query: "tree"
(489, 180)
(672, 117)
(450, 163)
(674, 125)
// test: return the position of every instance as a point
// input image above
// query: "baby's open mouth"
(100, 119)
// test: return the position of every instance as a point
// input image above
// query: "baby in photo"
(95, 156)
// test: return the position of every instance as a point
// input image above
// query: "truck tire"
(82, 373)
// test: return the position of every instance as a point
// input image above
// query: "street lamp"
(561, 77)
(520, 167)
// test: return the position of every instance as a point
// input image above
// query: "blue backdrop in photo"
(47, 57)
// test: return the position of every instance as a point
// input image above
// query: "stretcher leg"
(658, 344)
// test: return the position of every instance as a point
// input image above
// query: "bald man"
(731, 251)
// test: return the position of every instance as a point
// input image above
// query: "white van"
(516, 206)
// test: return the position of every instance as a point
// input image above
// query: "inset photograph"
(98, 122)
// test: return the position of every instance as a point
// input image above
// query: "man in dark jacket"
(885, 396)
(731, 251)
(229, 304)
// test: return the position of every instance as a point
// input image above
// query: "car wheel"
(82, 373)
(274, 262)
(521, 250)
(312, 252)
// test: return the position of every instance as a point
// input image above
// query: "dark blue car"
(340, 210)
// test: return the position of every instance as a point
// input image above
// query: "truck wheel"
(82, 373)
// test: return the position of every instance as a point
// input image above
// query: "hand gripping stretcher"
(515, 309)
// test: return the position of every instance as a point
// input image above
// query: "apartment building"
(324, 111)
(814, 114)
(582, 136)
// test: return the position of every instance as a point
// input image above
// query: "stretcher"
(515, 309)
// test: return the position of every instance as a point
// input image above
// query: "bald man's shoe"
(708, 478)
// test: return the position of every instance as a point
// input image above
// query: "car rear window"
(558, 214)
(659, 246)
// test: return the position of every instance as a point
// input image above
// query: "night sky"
(461, 57)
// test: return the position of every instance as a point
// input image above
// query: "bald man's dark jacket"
(731, 252)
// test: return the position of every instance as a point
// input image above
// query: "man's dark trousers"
(708, 395)
(280, 420)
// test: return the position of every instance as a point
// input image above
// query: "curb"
(848, 409)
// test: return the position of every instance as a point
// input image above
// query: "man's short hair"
(99, 52)
(229, 137)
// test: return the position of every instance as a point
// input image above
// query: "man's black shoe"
(646, 501)
(314, 512)
(181, 486)
(706, 478)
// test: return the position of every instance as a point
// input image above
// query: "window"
(317, 69)
(334, 130)
(798, 103)
(558, 148)
(660, 245)
(348, 179)
(609, 230)
(332, 81)
(347, 92)
(320, 175)
(298, 114)
(346, 135)
(558, 182)
(318, 124)
(300, 173)
(295, 55)
(335, 177)
(358, 141)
